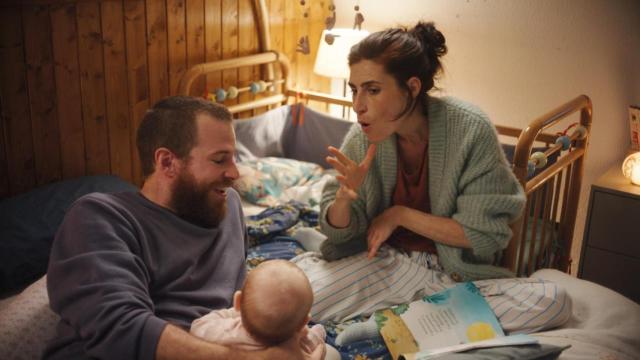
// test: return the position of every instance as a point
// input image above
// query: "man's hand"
(381, 228)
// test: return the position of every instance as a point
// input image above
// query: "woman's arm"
(440, 229)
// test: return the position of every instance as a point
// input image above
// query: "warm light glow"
(631, 168)
(331, 60)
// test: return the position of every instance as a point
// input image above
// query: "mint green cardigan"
(470, 181)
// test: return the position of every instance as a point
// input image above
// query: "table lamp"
(331, 59)
(631, 168)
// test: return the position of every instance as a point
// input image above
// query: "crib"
(548, 165)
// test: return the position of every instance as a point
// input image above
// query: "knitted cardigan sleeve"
(489, 196)
(350, 240)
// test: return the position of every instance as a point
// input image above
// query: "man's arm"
(176, 343)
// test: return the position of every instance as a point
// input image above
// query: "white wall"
(518, 59)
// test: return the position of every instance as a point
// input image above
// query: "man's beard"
(195, 202)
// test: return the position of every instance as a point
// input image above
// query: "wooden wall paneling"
(13, 91)
(135, 37)
(157, 50)
(276, 24)
(319, 12)
(213, 41)
(42, 90)
(257, 70)
(195, 40)
(290, 41)
(4, 171)
(68, 94)
(176, 35)
(230, 43)
(92, 88)
(247, 44)
(302, 69)
(116, 94)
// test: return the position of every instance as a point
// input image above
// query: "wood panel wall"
(77, 76)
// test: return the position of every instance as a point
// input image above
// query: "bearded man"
(129, 272)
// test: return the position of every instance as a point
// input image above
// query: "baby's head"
(275, 301)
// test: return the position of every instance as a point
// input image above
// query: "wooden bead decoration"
(254, 87)
(565, 141)
(356, 8)
(232, 92)
(221, 95)
(581, 132)
(263, 85)
(539, 159)
(531, 168)
(303, 3)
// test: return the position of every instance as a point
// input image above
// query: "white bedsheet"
(604, 324)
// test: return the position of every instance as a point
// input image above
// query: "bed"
(281, 154)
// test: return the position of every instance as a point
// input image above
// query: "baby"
(272, 307)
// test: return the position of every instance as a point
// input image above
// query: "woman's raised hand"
(351, 175)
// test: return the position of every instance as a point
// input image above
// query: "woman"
(424, 195)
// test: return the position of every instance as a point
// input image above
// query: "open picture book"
(453, 320)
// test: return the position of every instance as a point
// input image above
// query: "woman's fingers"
(336, 164)
(374, 243)
(340, 156)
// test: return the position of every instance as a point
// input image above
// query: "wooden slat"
(65, 55)
(116, 94)
(13, 91)
(92, 88)
(177, 45)
(42, 90)
(195, 40)
(246, 46)
(213, 40)
(230, 43)
(137, 72)
(157, 50)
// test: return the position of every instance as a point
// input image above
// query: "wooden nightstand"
(611, 245)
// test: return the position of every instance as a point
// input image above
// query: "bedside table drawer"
(614, 223)
(617, 272)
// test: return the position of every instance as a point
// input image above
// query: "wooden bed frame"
(543, 236)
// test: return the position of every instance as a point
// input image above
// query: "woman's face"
(377, 99)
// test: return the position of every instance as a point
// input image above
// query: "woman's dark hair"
(171, 123)
(405, 53)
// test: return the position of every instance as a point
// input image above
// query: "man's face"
(200, 189)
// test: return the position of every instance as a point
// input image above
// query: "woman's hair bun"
(432, 40)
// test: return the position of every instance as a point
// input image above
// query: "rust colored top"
(412, 190)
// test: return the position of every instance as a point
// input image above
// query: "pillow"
(28, 223)
(308, 141)
(279, 133)
(263, 181)
(27, 323)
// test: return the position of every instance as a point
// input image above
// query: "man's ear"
(414, 85)
(237, 298)
(166, 161)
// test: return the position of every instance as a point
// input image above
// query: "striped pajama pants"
(356, 285)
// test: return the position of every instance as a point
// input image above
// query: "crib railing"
(543, 235)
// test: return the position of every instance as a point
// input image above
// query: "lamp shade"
(631, 168)
(331, 60)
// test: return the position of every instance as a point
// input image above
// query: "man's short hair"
(170, 123)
